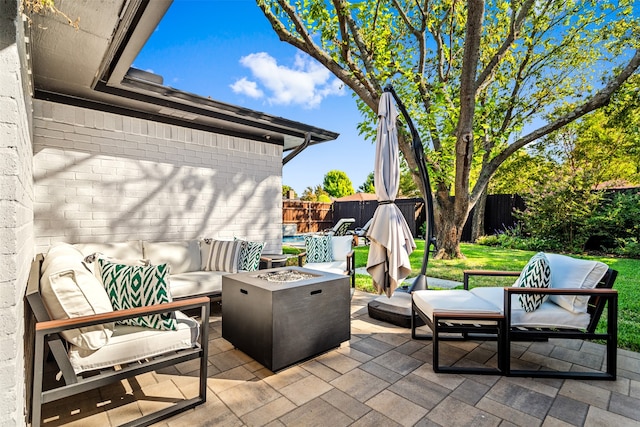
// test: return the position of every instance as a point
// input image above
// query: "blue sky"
(226, 49)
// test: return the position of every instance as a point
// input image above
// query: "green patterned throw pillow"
(536, 274)
(318, 248)
(130, 286)
(250, 253)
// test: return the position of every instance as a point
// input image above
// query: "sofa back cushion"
(70, 290)
(122, 250)
(181, 256)
(574, 273)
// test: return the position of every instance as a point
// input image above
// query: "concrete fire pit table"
(281, 316)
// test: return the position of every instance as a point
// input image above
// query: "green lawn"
(491, 258)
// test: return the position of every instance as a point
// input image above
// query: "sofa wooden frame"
(46, 339)
(600, 297)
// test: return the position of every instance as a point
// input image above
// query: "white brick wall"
(104, 177)
(16, 212)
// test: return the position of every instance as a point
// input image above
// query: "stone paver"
(381, 377)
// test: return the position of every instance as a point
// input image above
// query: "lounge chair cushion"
(340, 247)
(133, 343)
(569, 272)
(454, 301)
(181, 256)
(536, 274)
(336, 267)
(70, 290)
(250, 253)
(548, 315)
(319, 248)
(130, 286)
(224, 255)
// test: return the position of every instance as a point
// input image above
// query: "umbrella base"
(395, 310)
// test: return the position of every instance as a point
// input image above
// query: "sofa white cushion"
(336, 267)
(340, 247)
(132, 343)
(131, 286)
(573, 273)
(196, 283)
(536, 274)
(121, 250)
(182, 256)
(70, 290)
(548, 315)
(224, 255)
(455, 301)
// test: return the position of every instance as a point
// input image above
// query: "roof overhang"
(91, 67)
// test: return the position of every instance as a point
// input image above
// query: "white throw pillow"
(69, 290)
(573, 273)
(536, 274)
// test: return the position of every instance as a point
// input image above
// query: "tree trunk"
(477, 226)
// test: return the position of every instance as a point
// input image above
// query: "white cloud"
(307, 83)
(246, 87)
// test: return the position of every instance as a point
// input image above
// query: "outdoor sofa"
(111, 311)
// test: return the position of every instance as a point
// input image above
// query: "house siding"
(16, 211)
(105, 177)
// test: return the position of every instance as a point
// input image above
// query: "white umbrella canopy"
(390, 236)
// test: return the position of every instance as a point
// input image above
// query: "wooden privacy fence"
(362, 211)
(309, 217)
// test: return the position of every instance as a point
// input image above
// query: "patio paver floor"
(380, 377)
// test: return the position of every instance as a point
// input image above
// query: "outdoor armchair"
(555, 296)
(333, 254)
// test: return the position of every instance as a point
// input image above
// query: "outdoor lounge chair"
(341, 227)
(361, 232)
(333, 254)
(574, 302)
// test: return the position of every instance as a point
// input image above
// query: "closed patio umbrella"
(390, 236)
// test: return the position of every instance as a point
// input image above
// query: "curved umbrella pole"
(420, 282)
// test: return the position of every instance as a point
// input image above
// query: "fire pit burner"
(284, 276)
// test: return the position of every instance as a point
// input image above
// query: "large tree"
(337, 184)
(480, 81)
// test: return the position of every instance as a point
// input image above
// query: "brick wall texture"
(16, 212)
(105, 177)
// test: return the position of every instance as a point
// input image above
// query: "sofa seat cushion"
(70, 290)
(196, 283)
(132, 343)
(336, 267)
(548, 315)
(181, 256)
(454, 301)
